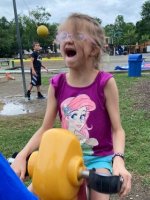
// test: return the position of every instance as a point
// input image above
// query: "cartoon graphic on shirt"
(75, 112)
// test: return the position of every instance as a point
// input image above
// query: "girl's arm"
(112, 105)
(33, 144)
(48, 122)
(118, 134)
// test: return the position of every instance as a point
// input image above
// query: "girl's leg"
(99, 196)
(82, 192)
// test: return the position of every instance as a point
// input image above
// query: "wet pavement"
(13, 108)
(13, 101)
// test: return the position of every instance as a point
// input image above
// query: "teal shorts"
(98, 162)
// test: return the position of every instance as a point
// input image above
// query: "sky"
(106, 10)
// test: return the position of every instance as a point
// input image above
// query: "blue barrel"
(135, 63)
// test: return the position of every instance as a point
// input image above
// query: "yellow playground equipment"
(57, 168)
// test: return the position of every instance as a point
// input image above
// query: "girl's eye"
(63, 35)
(80, 36)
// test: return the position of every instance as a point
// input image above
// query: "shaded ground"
(12, 91)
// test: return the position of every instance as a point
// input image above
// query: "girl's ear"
(96, 51)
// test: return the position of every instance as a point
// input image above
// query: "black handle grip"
(104, 184)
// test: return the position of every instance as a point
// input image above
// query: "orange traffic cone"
(9, 76)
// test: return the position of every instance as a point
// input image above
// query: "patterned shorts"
(36, 79)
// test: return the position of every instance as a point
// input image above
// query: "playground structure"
(59, 166)
(58, 172)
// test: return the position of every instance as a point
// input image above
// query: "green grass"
(135, 121)
(45, 79)
(16, 131)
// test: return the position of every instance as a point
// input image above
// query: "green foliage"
(98, 20)
(39, 15)
(130, 35)
(120, 33)
(30, 23)
(28, 32)
(127, 33)
(146, 10)
(6, 37)
(145, 38)
(143, 26)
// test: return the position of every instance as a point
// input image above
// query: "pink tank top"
(82, 110)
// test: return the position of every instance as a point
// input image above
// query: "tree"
(28, 32)
(6, 38)
(109, 31)
(98, 20)
(115, 31)
(145, 13)
(40, 16)
(144, 38)
(130, 36)
(120, 33)
(143, 26)
(29, 26)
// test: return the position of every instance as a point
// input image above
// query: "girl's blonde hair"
(80, 22)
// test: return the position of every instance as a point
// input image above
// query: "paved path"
(108, 63)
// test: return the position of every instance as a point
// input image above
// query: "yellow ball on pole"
(42, 31)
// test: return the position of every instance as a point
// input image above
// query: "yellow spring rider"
(57, 169)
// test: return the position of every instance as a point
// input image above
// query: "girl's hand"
(19, 166)
(119, 169)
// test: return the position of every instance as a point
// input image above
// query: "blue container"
(135, 63)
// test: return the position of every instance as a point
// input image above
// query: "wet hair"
(81, 22)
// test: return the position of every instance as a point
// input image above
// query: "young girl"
(87, 102)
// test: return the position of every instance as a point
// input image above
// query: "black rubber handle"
(104, 184)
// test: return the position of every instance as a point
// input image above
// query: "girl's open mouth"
(70, 52)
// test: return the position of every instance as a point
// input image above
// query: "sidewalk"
(108, 63)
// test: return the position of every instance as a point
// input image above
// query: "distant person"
(36, 71)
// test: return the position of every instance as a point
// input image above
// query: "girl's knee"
(103, 171)
(93, 195)
(98, 196)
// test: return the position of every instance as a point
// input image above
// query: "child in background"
(36, 71)
(87, 102)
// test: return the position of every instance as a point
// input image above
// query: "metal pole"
(20, 47)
